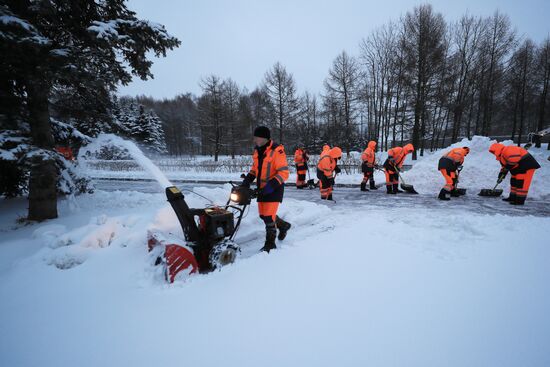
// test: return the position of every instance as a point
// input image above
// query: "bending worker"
(522, 166)
(450, 166)
(327, 168)
(393, 165)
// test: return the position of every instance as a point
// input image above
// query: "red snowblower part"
(173, 254)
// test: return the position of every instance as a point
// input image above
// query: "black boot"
(270, 235)
(518, 200)
(396, 189)
(283, 228)
(389, 189)
(443, 195)
(329, 197)
(373, 185)
(510, 198)
(364, 186)
(454, 193)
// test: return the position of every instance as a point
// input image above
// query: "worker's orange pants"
(392, 177)
(450, 177)
(268, 211)
(520, 182)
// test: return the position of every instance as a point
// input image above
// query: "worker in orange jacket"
(327, 168)
(368, 159)
(393, 165)
(522, 166)
(270, 170)
(449, 165)
(300, 159)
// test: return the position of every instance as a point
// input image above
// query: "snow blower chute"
(209, 234)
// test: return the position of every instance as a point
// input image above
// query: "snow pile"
(380, 286)
(480, 170)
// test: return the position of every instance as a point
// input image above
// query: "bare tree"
(211, 113)
(342, 84)
(424, 48)
(280, 87)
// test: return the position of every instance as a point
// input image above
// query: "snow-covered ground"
(371, 280)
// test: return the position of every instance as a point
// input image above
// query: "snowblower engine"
(208, 232)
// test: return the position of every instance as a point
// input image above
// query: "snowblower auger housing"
(208, 235)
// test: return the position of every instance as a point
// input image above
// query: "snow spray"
(133, 150)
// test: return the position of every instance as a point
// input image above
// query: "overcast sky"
(241, 39)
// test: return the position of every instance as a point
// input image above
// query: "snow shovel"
(407, 188)
(459, 191)
(494, 192)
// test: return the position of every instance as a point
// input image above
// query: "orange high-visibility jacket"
(397, 155)
(368, 155)
(510, 156)
(273, 165)
(456, 155)
(327, 164)
(299, 156)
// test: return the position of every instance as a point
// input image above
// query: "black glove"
(459, 168)
(248, 179)
(337, 169)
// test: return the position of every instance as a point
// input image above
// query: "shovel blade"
(311, 183)
(490, 192)
(461, 191)
(408, 188)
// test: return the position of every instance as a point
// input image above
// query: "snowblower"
(209, 233)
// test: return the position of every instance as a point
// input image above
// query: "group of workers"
(270, 170)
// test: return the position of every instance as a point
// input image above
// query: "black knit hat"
(262, 132)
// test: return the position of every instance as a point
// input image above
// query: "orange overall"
(449, 164)
(394, 162)
(520, 163)
(270, 168)
(368, 158)
(325, 171)
(300, 159)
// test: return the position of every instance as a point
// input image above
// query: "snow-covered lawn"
(352, 285)
(371, 280)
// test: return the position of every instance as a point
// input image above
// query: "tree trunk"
(43, 175)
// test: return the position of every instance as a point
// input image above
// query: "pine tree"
(45, 45)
